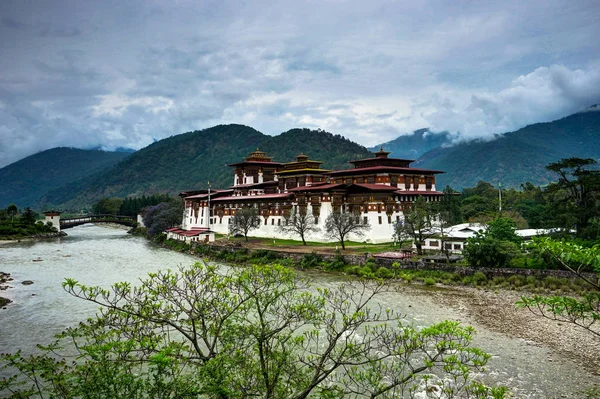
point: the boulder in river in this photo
(27, 282)
(4, 301)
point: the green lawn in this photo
(351, 246)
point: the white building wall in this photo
(54, 220)
(378, 233)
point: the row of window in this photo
(447, 245)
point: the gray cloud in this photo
(117, 73)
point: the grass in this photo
(351, 246)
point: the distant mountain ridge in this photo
(189, 161)
(25, 181)
(75, 179)
(517, 157)
(412, 146)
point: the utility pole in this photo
(500, 198)
(209, 213)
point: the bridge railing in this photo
(98, 217)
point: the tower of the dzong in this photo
(302, 172)
(256, 168)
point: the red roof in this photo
(269, 163)
(392, 255)
(253, 197)
(205, 195)
(188, 233)
(320, 187)
(375, 187)
(378, 158)
(382, 169)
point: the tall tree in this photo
(256, 332)
(418, 223)
(29, 216)
(12, 211)
(339, 225)
(300, 223)
(244, 220)
(495, 247)
(448, 213)
(108, 206)
(579, 184)
(158, 218)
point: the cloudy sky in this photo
(124, 73)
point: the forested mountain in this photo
(412, 146)
(189, 161)
(75, 179)
(25, 181)
(517, 157)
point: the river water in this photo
(96, 255)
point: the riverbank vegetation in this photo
(537, 284)
(16, 225)
(248, 332)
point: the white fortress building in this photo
(376, 190)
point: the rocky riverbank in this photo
(496, 311)
(11, 240)
(5, 278)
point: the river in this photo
(96, 255)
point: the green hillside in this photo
(188, 161)
(25, 181)
(517, 157)
(412, 146)
(334, 150)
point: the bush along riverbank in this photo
(408, 271)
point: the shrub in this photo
(552, 283)
(265, 256)
(338, 263)
(311, 260)
(479, 278)
(372, 264)
(365, 272)
(429, 281)
(517, 281)
(384, 272)
(499, 281)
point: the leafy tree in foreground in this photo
(418, 224)
(244, 220)
(339, 225)
(583, 312)
(244, 333)
(301, 223)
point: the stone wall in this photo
(489, 272)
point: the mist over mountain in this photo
(517, 157)
(412, 146)
(73, 179)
